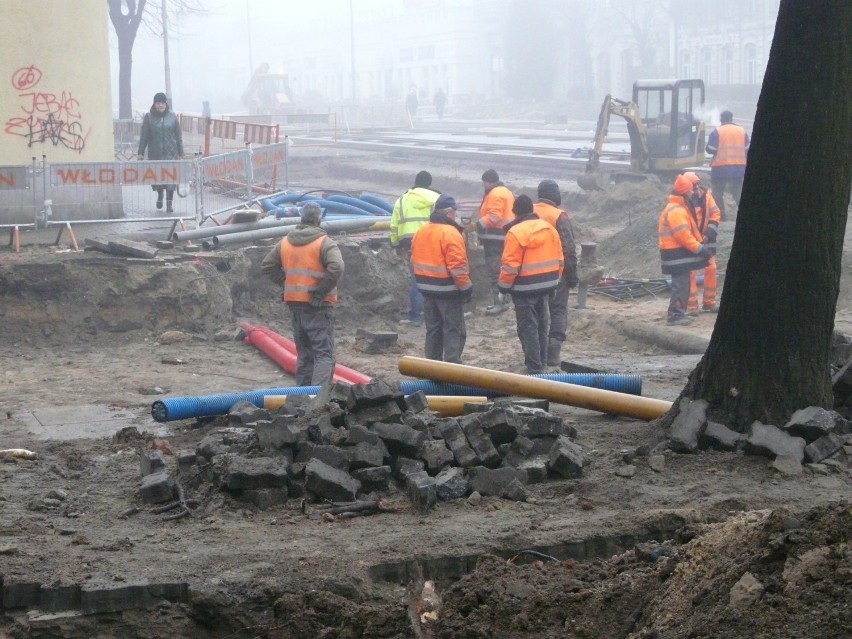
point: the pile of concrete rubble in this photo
(357, 442)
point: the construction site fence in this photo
(44, 193)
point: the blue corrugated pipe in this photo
(359, 203)
(375, 199)
(173, 408)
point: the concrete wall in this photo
(55, 96)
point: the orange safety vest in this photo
(707, 214)
(679, 238)
(732, 146)
(303, 271)
(494, 213)
(532, 258)
(439, 260)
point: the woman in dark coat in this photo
(161, 136)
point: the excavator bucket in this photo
(591, 181)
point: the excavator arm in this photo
(591, 179)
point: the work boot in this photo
(496, 308)
(679, 321)
(554, 349)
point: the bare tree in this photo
(126, 16)
(769, 353)
(157, 16)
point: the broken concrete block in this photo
(494, 481)
(330, 483)
(150, 461)
(374, 342)
(421, 490)
(282, 431)
(252, 473)
(457, 442)
(129, 248)
(158, 487)
(436, 455)
(399, 438)
(787, 465)
(824, 447)
(479, 441)
(373, 478)
(566, 458)
(375, 393)
(687, 426)
(451, 483)
(771, 441)
(811, 423)
(719, 437)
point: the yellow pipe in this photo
(597, 399)
(446, 405)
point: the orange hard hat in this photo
(682, 185)
(692, 177)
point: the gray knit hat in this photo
(549, 190)
(311, 213)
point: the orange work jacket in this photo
(494, 213)
(679, 238)
(303, 271)
(439, 260)
(732, 146)
(532, 260)
(708, 216)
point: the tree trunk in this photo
(126, 26)
(125, 68)
(769, 353)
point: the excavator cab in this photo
(665, 130)
(674, 133)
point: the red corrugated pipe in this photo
(283, 352)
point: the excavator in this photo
(666, 135)
(267, 93)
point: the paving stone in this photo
(252, 473)
(422, 423)
(186, 460)
(330, 483)
(281, 431)
(536, 469)
(341, 394)
(457, 442)
(373, 478)
(824, 447)
(295, 406)
(787, 465)
(543, 445)
(319, 427)
(364, 455)
(375, 342)
(415, 402)
(518, 451)
(539, 423)
(377, 392)
(566, 458)
(404, 466)
(399, 438)
(657, 463)
(500, 423)
(811, 423)
(515, 491)
(150, 461)
(265, 498)
(719, 437)
(210, 446)
(388, 412)
(244, 412)
(421, 491)
(158, 487)
(436, 455)
(494, 481)
(479, 441)
(451, 483)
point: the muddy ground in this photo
(673, 551)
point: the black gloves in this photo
(316, 301)
(570, 276)
(704, 252)
(466, 295)
(710, 234)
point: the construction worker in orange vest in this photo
(442, 273)
(531, 268)
(547, 208)
(728, 144)
(494, 213)
(309, 264)
(707, 217)
(681, 250)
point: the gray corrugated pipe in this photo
(336, 226)
(226, 229)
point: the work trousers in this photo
(679, 295)
(493, 260)
(558, 304)
(710, 282)
(445, 329)
(313, 333)
(415, 297)
(720, 185)
(531, 315)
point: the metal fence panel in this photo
(225, 182)
(18, 201)
(269, 168)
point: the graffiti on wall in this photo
(48, 118)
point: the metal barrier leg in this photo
(72, 236)
(172, 230)
(17, 233)
(59, 235)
